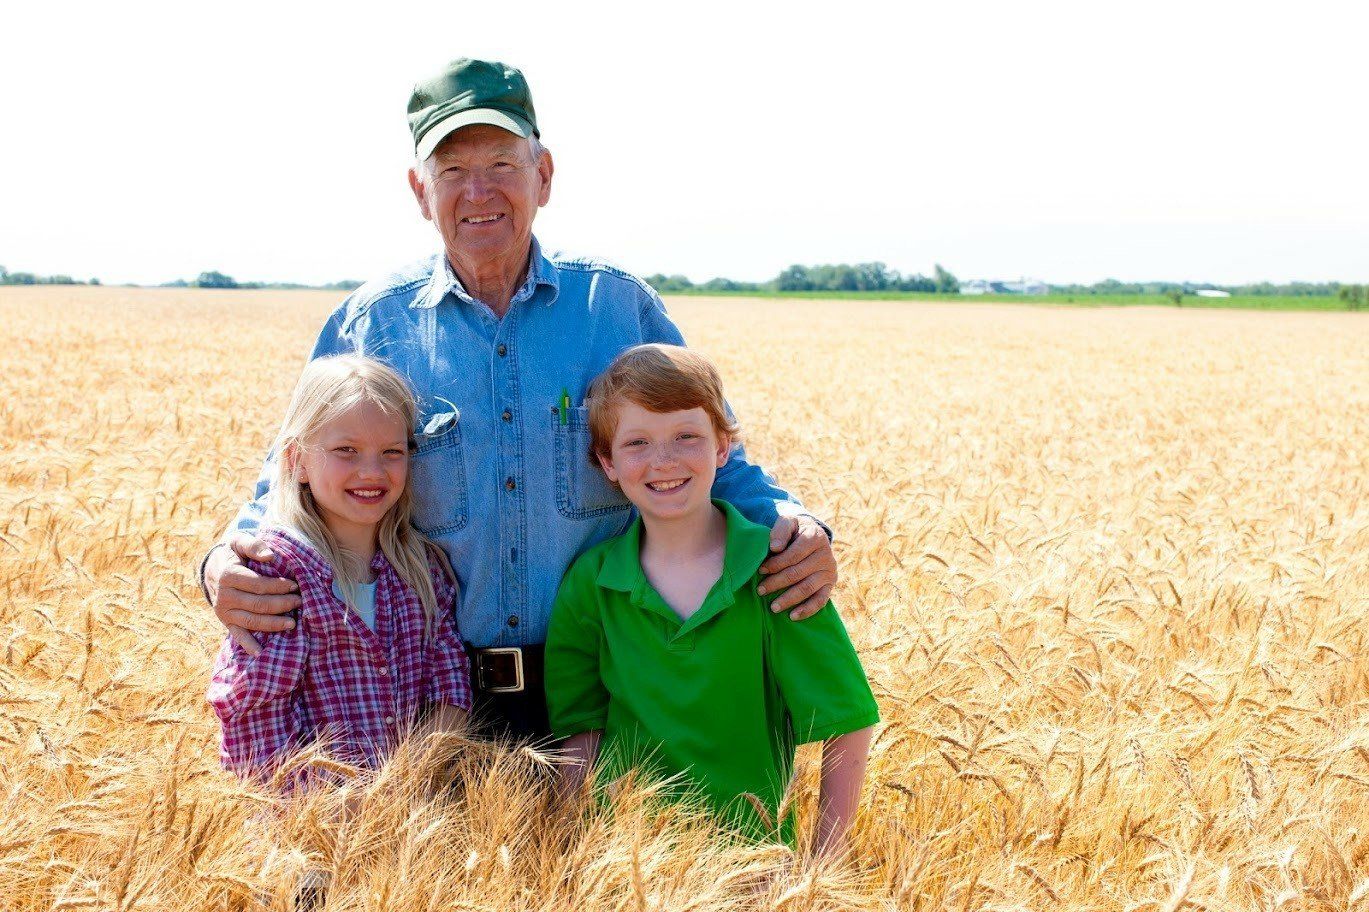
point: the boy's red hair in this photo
(659, 378)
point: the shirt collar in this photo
(541, 271)
(745, 550)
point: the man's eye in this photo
(503, 166)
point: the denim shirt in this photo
(499, 480)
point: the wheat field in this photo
(1108, 570)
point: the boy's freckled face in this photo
(665, 462)
(356, 468)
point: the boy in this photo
(660, 653)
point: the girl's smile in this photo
(356, 468)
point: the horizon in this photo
(1065, 142)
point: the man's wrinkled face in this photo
(482, 187)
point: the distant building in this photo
(1022, 286)
(1212, 293)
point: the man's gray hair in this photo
(534, 146)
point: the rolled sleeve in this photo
(258, 703)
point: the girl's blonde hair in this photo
(328, 388)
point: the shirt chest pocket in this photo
(437, 476)
(583, 491)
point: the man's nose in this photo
(478, 187)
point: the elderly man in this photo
(499, 342)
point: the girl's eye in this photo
(344, 449)
(633, 443)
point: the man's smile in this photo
(482, 219)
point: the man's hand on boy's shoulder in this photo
(244, 600)
(805, 566)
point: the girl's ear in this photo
(606, 464)
(293, 464)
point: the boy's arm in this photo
(577, 700)
(843, 774)
(577, 757)
(804, 564)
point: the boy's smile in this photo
(665, 461)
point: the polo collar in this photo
(541, 271)
(746, 548)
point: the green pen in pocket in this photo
(565, 405)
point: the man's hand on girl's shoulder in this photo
(244, 600)
(805, 567)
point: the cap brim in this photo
(444, 128)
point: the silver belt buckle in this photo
(517, 685)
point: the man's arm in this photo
(242, 600)
(803, 565)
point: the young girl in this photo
(374, 643)
(661, 654)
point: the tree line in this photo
(29, 278)
(828, 277)
(216, 279)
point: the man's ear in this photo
(606, 464)
(545, 168)
(416, 185)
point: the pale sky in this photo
(1068, 141)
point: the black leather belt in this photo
(506, 669)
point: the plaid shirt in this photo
(332, 677)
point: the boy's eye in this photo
(395, 451)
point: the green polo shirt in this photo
(722, 698)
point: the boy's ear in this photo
(606, 464)
(724, 449)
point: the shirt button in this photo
(384, 672)
(502, 349)
(507, 416)
(389, 720)
(510, 484)
(513, 620)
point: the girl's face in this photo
(665, 461)
(356, 468)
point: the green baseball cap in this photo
(470, 92)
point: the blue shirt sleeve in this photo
(334, 339)
(745, 485)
